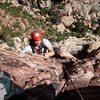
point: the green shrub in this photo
(55, 17)
(97, 31)
(53, 35)
(98, 21)
(44, 11)
(54, 14)
(79, 28)
(74, 34)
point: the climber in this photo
(40, 45)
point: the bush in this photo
(79, 28)
(99, 21)
(97, 31)
(55, 17)
(53, 35)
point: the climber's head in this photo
(37, 37)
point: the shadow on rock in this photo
(88, 93)
(41, 92)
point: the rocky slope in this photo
(28, 72)
(39, 77)
(19, 17)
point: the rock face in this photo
(30, 71)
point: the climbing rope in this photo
(73, 84)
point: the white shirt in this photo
(44, 44)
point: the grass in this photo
(34, 23)
(12, 10)
(8, 34)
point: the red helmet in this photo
(37, 35)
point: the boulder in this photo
(29, 71)
(47, 78)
